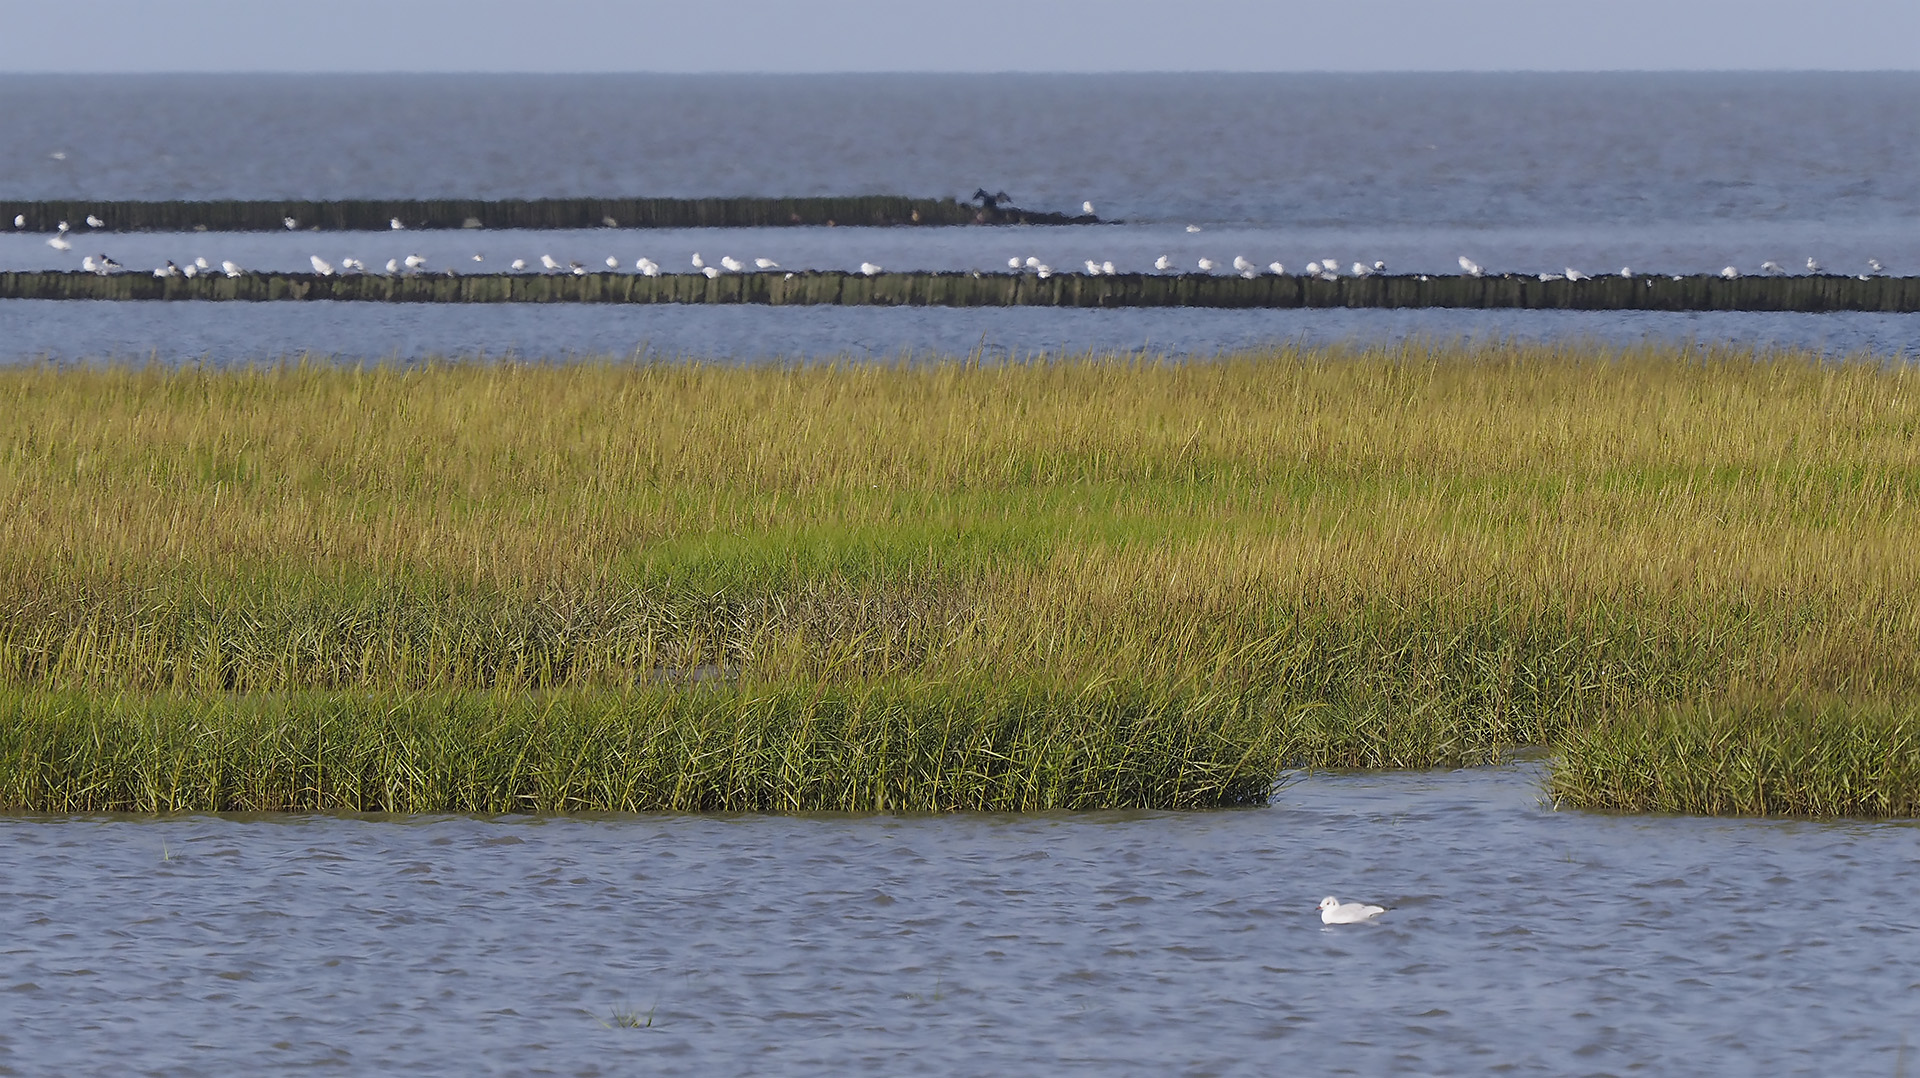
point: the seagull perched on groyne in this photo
(869, 268)
(1163, 263)
(321, 266)
(1469, 267)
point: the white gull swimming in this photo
(1335, 912)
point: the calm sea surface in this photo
(1674, 173)
(1520, 941)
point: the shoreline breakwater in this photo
(1701, 292)
(378, 214)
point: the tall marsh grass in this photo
(1402, 557)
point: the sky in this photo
(957, 35)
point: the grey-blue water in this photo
(1521, 940)
(1674, 173)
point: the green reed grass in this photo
(879, 748)
(1403, 557)
(1845, 758)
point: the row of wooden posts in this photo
(1647, 293)
(367, 215)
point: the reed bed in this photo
(1846, 758)
(1385, 558)
(878, 748)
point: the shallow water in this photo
(1521, 940)
(240, 333)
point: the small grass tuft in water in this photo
(627, 1017)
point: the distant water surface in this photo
(1529, 173)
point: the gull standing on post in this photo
(869, 268)
(766, 264)
(321, 266)
(1163, 263)
(1469, 267)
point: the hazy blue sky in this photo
(957, 35)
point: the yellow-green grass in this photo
(1423, 555)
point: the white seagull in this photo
(168, 270)
(1086, 208)
(698, 262)
(60, 242)
(731, 264)
(1206, 265)
(393, 266)
(1277, 269)
(478, 257)
(202, 263)
(1771, 268)
(1193, 228)
(189, 271)
(1335, 912)
(95, 222)
(1240, 263)
(710, 271)
(1163, 263)
(1813, 266)
(1107, 268)
(1730, 272)
(1576, 275)
(613, 263)
(290, 223)
(1033, 262)
(517, 264)
(1093, 268)
(1626, 271)
(1361, 269)
(1043, 271)
(321, 266)
(1469, 267)
(1313, 269)
(1379, 266)
(231, 268)
(547, 262)
(1014, 263)
(394, 224)
(414, 262)
(19, 220)
(765, 263)
(648, 267)
(869, 268)
(1874, 266)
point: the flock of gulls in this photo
(1328, 269)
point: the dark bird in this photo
(990, 201)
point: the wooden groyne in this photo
(1651, 293)
(377, 215)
